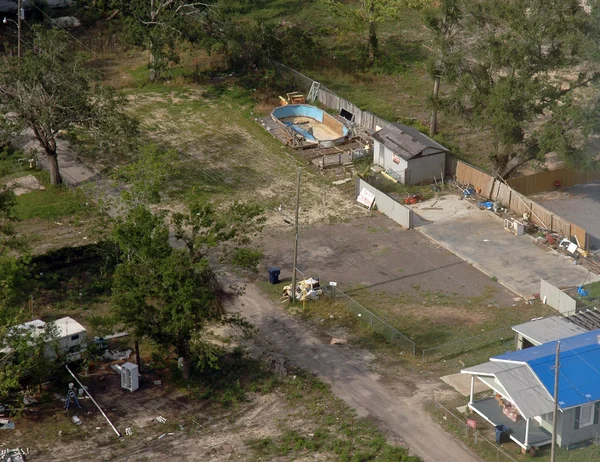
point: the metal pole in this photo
(19, 31)
(556, 369)
(296, 238)
(94, 401)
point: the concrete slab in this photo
(479, 238)
(443, 208)
(462, 383)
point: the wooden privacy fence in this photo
(329, 99)
(544, 181)
(496, 190)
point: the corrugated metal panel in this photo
(548, 329)
(489, 368)
(526, 391)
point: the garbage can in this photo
(501, 434)
(274, 275)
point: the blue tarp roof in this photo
(579, 372)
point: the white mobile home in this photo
(70, 340)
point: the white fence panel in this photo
(386, 205)
(556, 298)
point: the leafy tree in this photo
(52, 92)
(368, 13)
(442, 20)
(167, 294)
(145, 176)
(157, 26)
(23, 358)
(523, 70)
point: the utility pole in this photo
(556, 369)
(19, 31)
(293, 299)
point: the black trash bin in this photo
(502, 434)
(274, 275)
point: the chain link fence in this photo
(469, 343)
(472, 436)
(375, 322)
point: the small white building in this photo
(408, 155)
(70, 341)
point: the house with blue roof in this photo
(523, 382)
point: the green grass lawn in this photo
(54, 203)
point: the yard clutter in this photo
(6, 424)
(413, 199)
(308, 289)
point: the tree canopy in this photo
(52, 92)
(158, 25)
(521, 68)
(169, 294)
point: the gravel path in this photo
(396, 405)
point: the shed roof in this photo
(407, 142)
(548, 329)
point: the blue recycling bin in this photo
(274, 273)
(501, 434)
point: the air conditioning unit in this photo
(513, 226)
(130, 376)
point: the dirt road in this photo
(400, 409)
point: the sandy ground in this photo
(579, 204)
(24, 185)
(397, 404)
(208, 437)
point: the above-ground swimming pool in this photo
(312, 124)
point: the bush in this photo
(247, 258)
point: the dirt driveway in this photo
(478, 236)
(375, 253)
(396, 405)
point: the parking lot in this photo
(375, 253)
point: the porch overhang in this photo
(526, 432)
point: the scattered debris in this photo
(6, 424)
(340, 182)
(413, 199)
(308, 289)
(115, 355)
(76, 420)
(227, 448)
(13, 455)
(338, 341)
(128, 431)
(161, 419)
(162, 436)
(158, 382)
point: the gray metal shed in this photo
(544, 330)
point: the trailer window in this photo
(74, 337)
